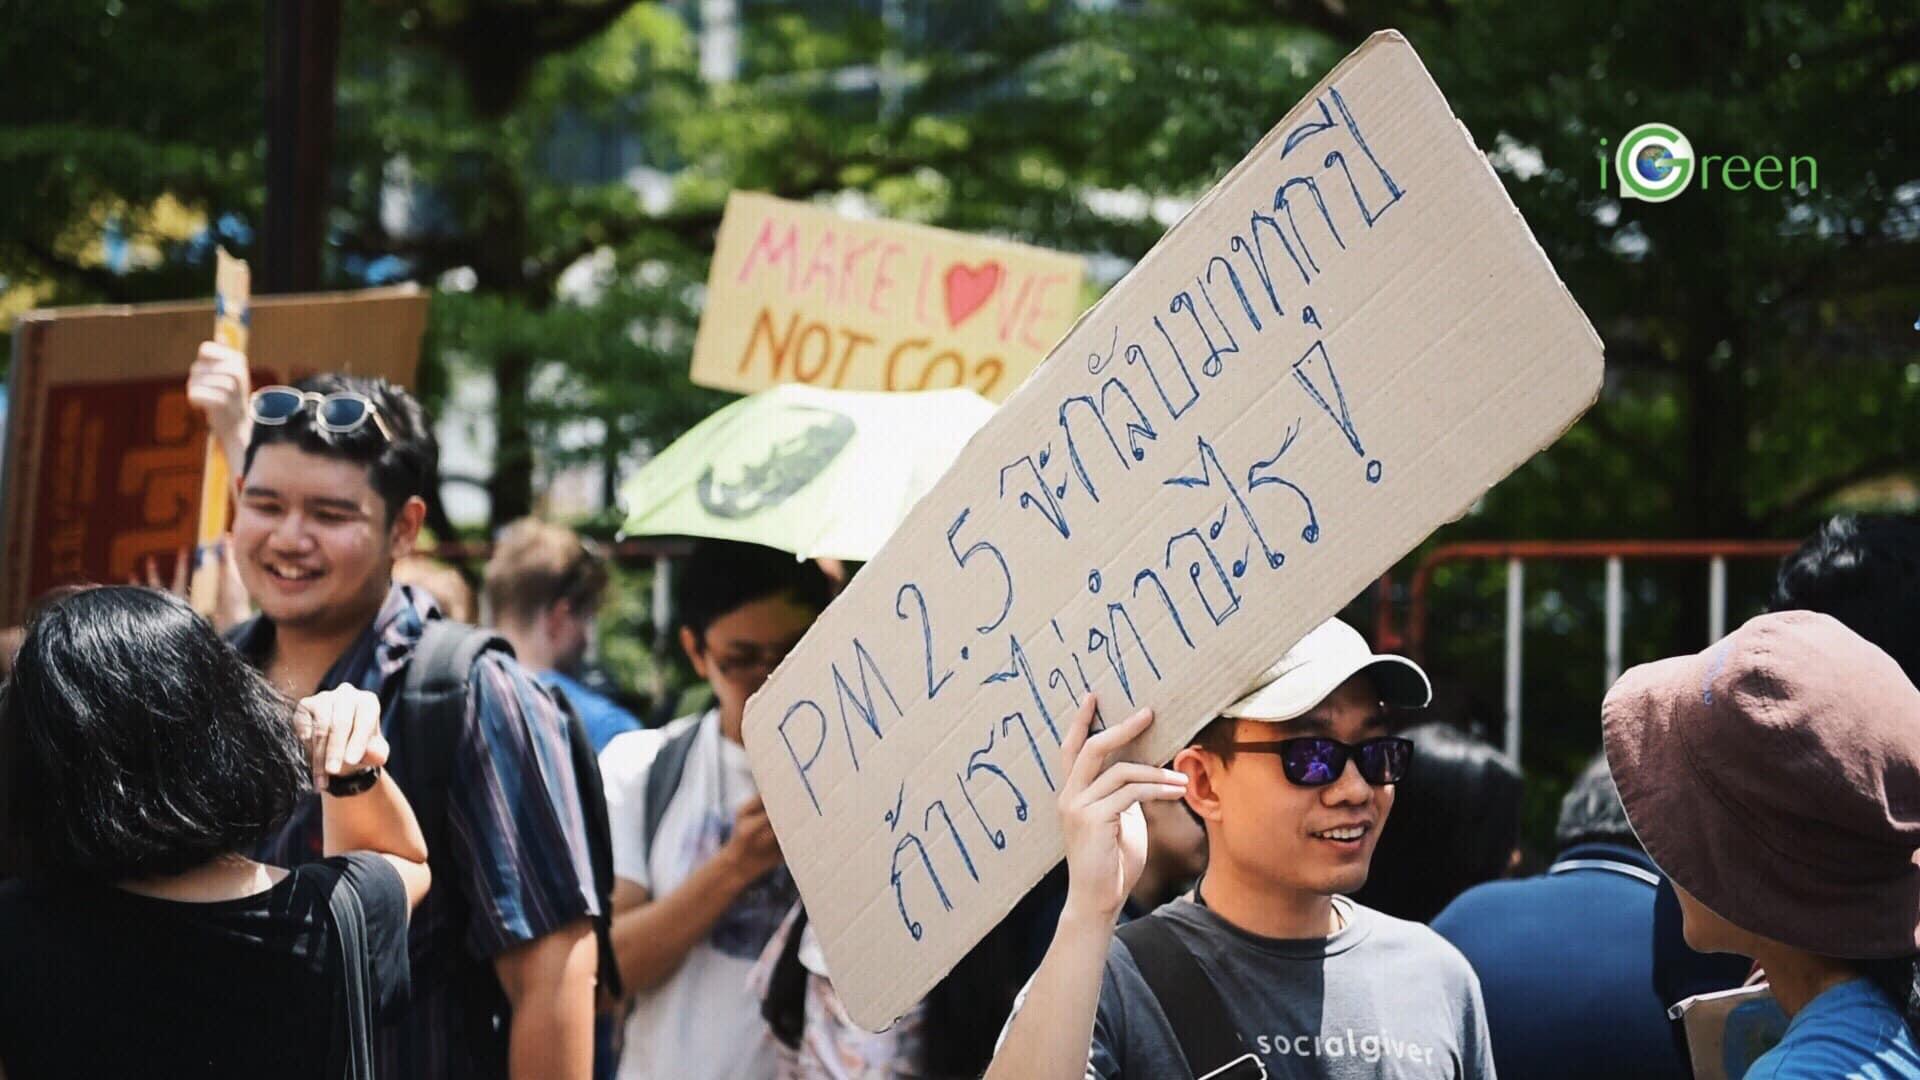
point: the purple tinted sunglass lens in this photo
(1384, 761)
(1313, 762)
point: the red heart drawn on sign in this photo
(968, 288)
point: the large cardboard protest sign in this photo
(104, 455)
(1343, 345)
(800, 294)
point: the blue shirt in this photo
(602, 716)
(515, 825)
(1566, 967)
(1851, 1032)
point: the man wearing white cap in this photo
(1266, 968)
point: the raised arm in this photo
(341, 729)
(1106, 838)
(218, 384)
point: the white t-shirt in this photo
(705, 1021)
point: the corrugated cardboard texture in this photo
(104, 454)
(1343, 345)
(800, 294)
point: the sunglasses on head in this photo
(338, 413)
(1316, 761)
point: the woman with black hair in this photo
(140, 760)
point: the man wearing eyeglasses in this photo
(699, 883)
(1266, 968)
(332, 481)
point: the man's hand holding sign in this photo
(1343, 345)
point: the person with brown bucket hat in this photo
(1775, 777)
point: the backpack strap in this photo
(593, 808)
(663, 779)
(1190, 1001)
(350, 926)
(433, 707)
(785, 1006)
(424, 728)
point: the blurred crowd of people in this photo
(347, 832)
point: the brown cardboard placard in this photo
(1728, 1030)
(1342, 346)
(801, 294)
(103, 453)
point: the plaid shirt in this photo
(519, 857)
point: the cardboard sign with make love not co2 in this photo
(1342, 346)
(800, 294)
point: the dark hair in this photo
(134, 742)
(1899, 979)
(399, 469)
(1592, 811)
(1217, 737)
(537, 564)
(1455, 821)
(725, 575)
(1865, 572)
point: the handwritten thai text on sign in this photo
(799, 294)
(1343, 345)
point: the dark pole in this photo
(303, 51)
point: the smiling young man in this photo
(331, 494)
(1266, 968)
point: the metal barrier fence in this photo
(1410, 636)
(1516, 554)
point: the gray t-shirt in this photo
(1381, 998)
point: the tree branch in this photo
(1797, 503)
(1330, 17)
(106, 283)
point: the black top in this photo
(97, 982)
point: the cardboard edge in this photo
(26, 335)
(402, 291)
(940, 232)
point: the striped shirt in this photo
(519, 853)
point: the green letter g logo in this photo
(1654, 163)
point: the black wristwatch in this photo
(353, 783)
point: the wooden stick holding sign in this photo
(232, 293)
(1342, 346)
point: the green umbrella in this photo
(820, 473)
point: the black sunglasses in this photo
(1315, 761)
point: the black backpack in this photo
(423, 727)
